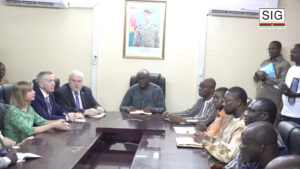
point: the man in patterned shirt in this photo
(225, 145)
(203, 111)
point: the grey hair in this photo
(40, 76)
(76, 73)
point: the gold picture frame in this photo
(144, 30)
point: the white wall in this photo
(36, 39)
(237, 46)
(181, 55)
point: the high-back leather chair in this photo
(155, 78)
(57, 83)
(7, 90)
(3, 108)
(290, 133)
(2, 94)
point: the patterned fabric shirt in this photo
(266, 89)
(219, 124)
(201, 112)
(19, 125)
(141, 98)
(225, 146)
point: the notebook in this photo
(187, 142)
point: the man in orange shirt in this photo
(220, 121)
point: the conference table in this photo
(116, 141)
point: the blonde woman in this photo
(21, 121)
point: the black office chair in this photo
(3, 108)
(290, 133)
(7, 90)
(57, 83)
(155, 78)
(2, 94)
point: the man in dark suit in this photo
(76, 97)
(44, 103)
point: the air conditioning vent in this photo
(241, 8)
(234, 13)
(38, 3)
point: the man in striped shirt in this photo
(203, 111)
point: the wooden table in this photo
(118, 141)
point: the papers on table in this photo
(187, 142)
(140, 112)
(98, 116)
(24, 156)
(184, 130)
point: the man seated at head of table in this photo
(44, 103)
(225, 145)
(144, 95)
(220, 121)
(285, 162)
(261, 109)
(75, 97)
(21, 121)
(203, 111)
(259, 145)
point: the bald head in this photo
(143, 72)
(210, 82)
(285, 162)
(261, 132)
(259, 143)
(261, 109)
(207, 88)
(143, 78)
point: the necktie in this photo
(49, 107)
(293, 88)
(77, 100)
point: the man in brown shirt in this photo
(265, 83)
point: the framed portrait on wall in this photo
(144, 32)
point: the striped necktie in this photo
(49, 107)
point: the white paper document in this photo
(187, 142)
(23, 156)
(140, 112)
(184, 130)
(80, 120)
(98, 116)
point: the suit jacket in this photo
(64, 97)
(40, 106)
